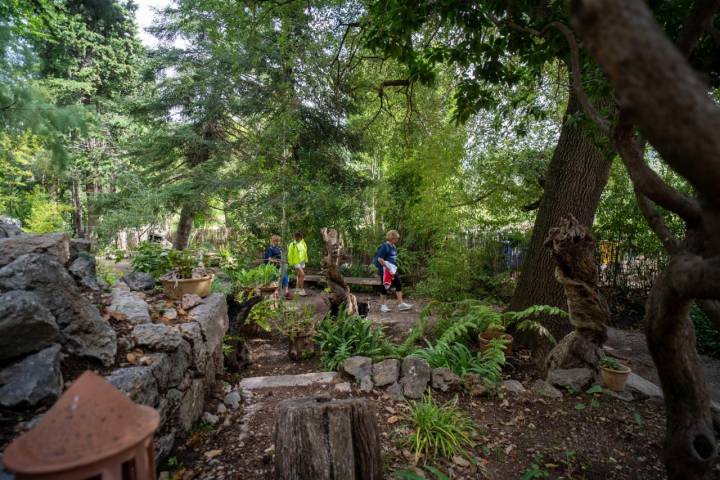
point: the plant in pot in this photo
(186, 275)
(262, 278)
(298, 323)
(614, 374)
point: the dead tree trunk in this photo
(340, 290)
(322, 439)
(573, 248)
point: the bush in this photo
(346, 336)
(438, 430)
(151, 258)
(458, 358)
(456, 272)
(708, 337)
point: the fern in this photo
(477, 319)
(416, 332)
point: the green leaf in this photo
(580, 406)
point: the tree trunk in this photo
(340, 290)
(182, 235)
(573, 247)
(77, 210)
(576, 177)
(322, 439)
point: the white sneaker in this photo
(384, 308)
(404, 306)
(302, 292)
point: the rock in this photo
(9, 227)
(190, 300)
(139, 281)
(83, 331)
(79, 246)
(444, 379)
(161, 368)
(170, 314)
(358, 367)
(415, 376)
(55, 245)
(544, 389)
(180, 359)
(287, 381)
(513, 386)
(192, 404)
(210, 418)
(460, 461)
(84, 270)
(33, 380)
(130, 305)
(624, 395)
(395, 391)
(573, 379)
(156, 336)
(193, 333)
(366, 385)
(221, 409)
(25, 324)
(645, 387)
(212, 317)
(474, 385)
(138, 383)
(386, 372)
(343, 387)
(232, 400)
(163, 447)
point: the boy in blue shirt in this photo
(387, 254)
(274, 255)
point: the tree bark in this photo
(340, 290)
(573, 247)
(322, 439)
(182, 235)
(77, 210)
(576, 177)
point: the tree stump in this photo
(573, 247)
(323, 439)
(340, 290)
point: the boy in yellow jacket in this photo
(297, 256)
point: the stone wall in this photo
(180, 363)
(54, 310)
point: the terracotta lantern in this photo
(92, 431)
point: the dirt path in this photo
(633, 346)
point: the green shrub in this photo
(346, 336)
(708, 337)
(438, 430)
(458, 358)
(255, 277)
(151, 258)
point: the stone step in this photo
(287, 381)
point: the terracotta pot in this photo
(615, 379)
(485, 337)
(177, 288)
(301, 347)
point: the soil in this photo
(580, 436)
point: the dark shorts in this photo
(396, 283)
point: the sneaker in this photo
(384, 309)
(404, 306)
(302, 292)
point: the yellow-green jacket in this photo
(297, 253)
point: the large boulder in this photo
(139, 281)
(129, 304)
(156, 336)
(33, 380)
(83, 331)
(56, 245)
(25, 324)
(192, 405)
(9, 227)
(416, 375)
(79, 246)
(84, 270)
(358, 367)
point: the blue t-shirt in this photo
(387, 252)
(272, 252)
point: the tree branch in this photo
(656, 223)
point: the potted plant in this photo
(262, 279)
(186, 276)
(614, 374)
(298, 323)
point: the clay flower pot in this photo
(615, 379)
(177, 288)
(490, 334)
